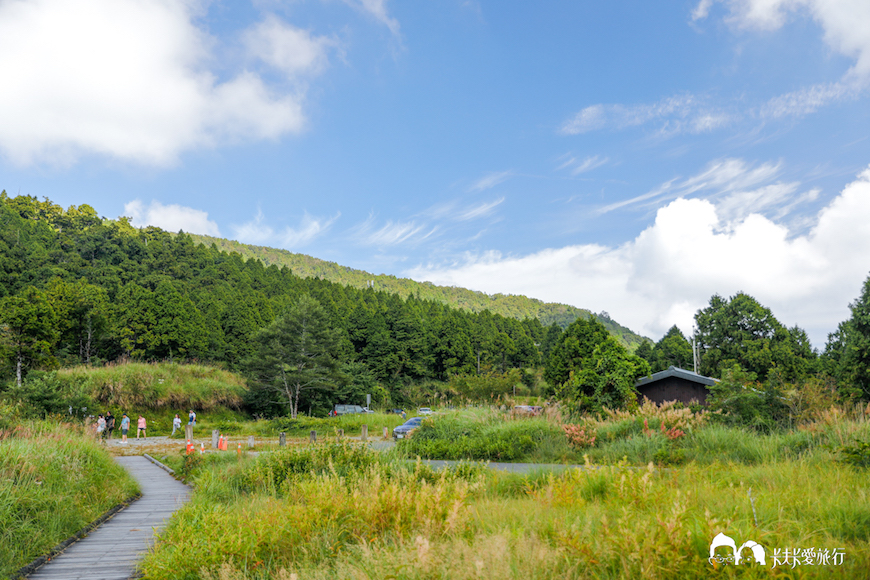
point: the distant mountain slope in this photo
(511, 305)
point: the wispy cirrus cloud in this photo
(735, 187)
(578, 166)
(490, 180)
(391, 233)
(257, 231)
(309, 229)
(479, 210)
(678, 114)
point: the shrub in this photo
(579, 437)
(857, 454)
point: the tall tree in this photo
(29, 324)
(672, 350)
(742, 331)
(847, 352)
(573, 349)
(297, 352)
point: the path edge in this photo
(165, 468)
(28, 569)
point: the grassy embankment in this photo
(336, 511)
(160, 390)
(54, 481)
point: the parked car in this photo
(350, 409)
(396, 411)
(532, 410)
(425, 411)
(405, 429)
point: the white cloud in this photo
(490, 180)
(130, 79)
(391, 233)
(689, 253)
(378, 10)
(257, 231)
(735, 187)
(479, 211)
(845, 22)
(808, 100)
(845, 25)
(288, 49)
(309, 229)
(171, 218)
(677, 114)
(254, 231)
(588, 164)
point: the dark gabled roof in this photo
(676, 372)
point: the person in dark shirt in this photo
(110, 424)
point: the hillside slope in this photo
(510, 305)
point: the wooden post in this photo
(339, 434)
(188, 432)
(282, 439)
(386, 433)
(313, 438)
(215, 434)
(250, 441)
(364, 433)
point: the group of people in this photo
(106, 425)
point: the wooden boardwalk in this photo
(112, 551)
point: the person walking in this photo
(176, 425)
(191, 418)
(110, 425)
(125, 426)
(101, 426)
(142, 426)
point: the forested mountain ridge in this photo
(511, 305)
(77, 288)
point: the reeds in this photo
(54, 480)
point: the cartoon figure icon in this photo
(721, 540)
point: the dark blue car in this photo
(405, 429)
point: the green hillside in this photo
(509, 305)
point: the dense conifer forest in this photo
(80, 289)
(510, 305)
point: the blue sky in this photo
(627, 157)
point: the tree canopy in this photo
(741, 331)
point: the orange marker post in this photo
(189, 447)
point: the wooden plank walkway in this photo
(112, 551)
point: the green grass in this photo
(54, 481)
(153, 386)
(335, 511)
(489, 435)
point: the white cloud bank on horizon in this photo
(171, 218)
(131, 80)
(672, 268)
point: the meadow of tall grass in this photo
(139, 385)
(336, 511)
(54, 481)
